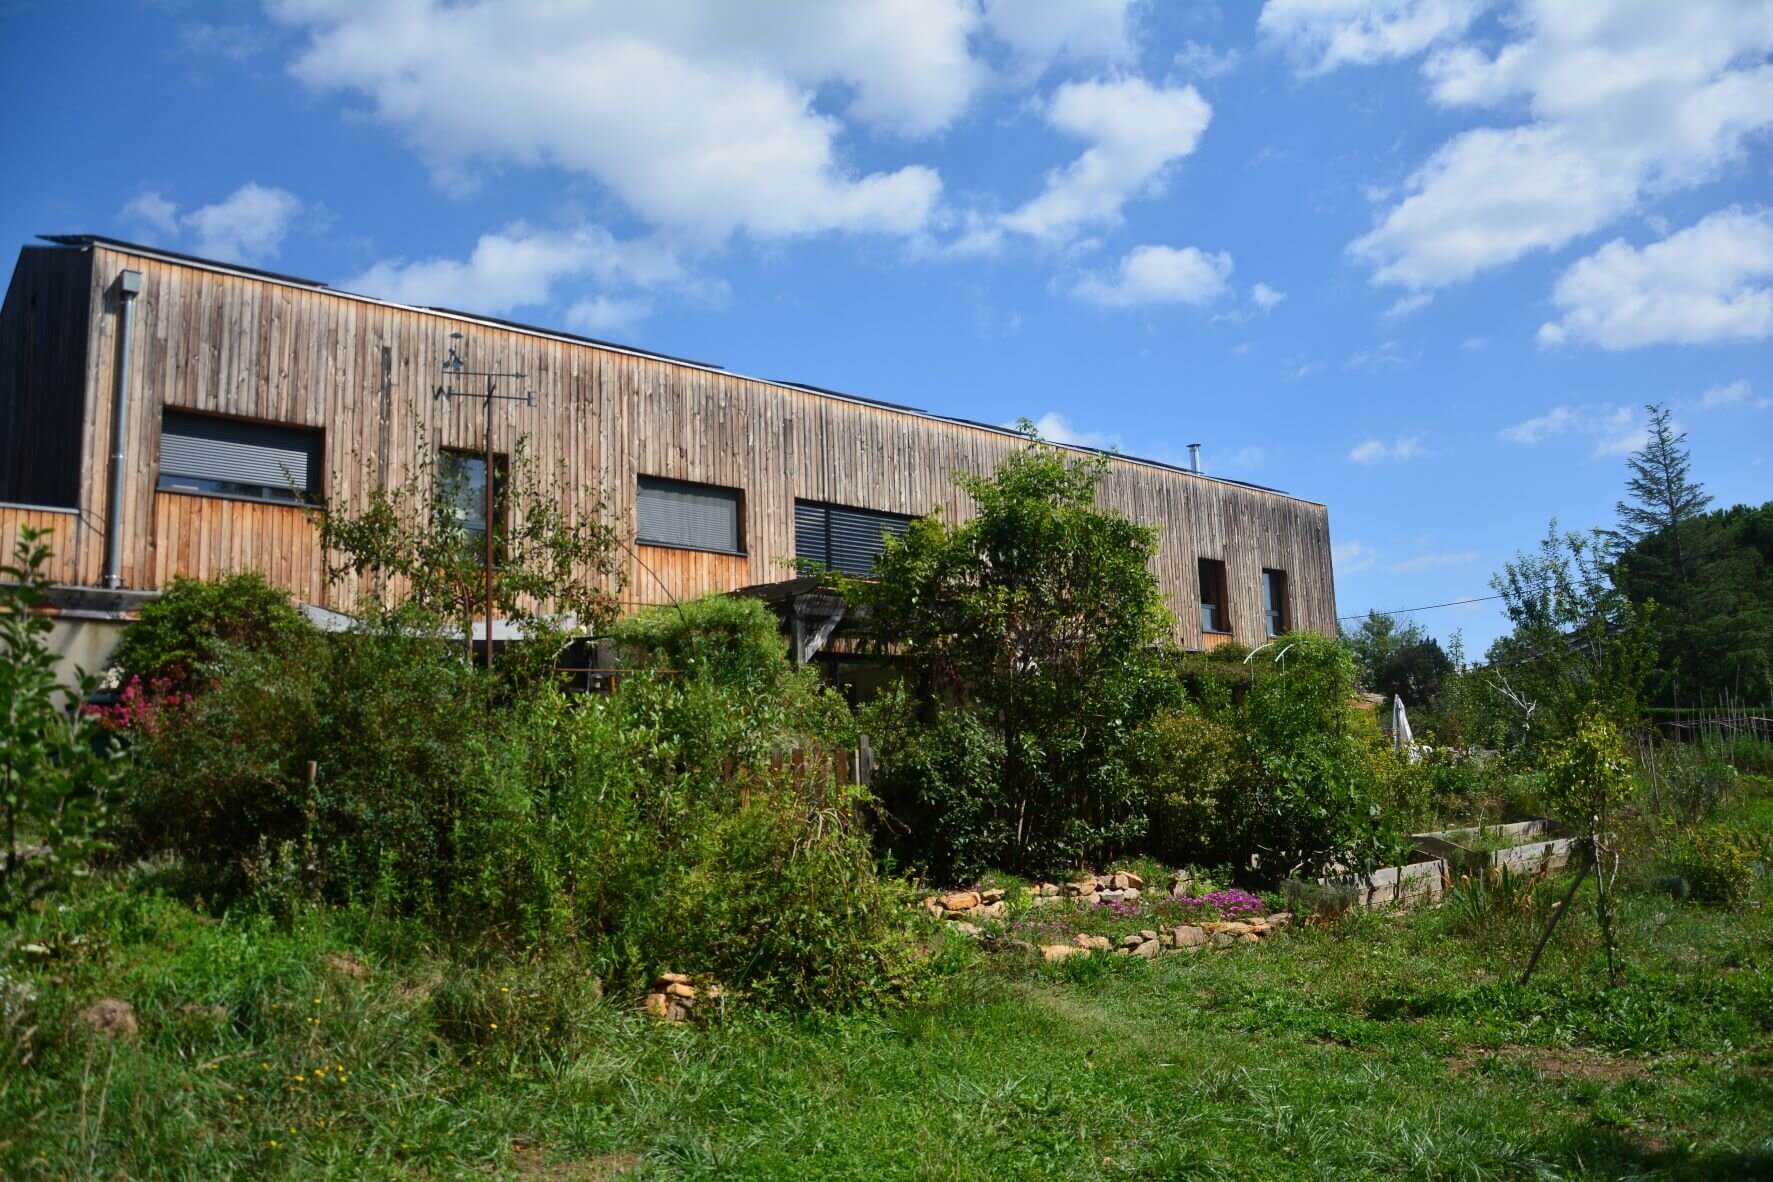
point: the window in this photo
(461, 477)
(688, 516)
(1274, 601)
(233, 458)
(844, 539)
(1213, 614)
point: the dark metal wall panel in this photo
(43, 332)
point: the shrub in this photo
(941, 788)
(1716, 863)
(1696, 780)
(186, 628)
(1194, 770)
(55, 779)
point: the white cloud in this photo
(1039, 32)
(153, 211)
(1408, 305)
(701, 115)
(1733, 394)
(1160, 274)
(237, 43)
(1196, 60)
(1266, 297)
(1709, 283)
(1056, 428)
(1388, 355)
(1613, 430)
(601, 314)
(520, 267)
(1626, 101)
(1474, 344)
(1136, 132)
(1370, 451)
(248, 225)
(1433, 561)
(1351, 558)
(1324, 34)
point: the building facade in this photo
(249, 400)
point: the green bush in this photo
(940, 786)
(1715, 862)
(56, 781)
(1696, 780)
(696, 820)
(1194, 770)
(186, 628)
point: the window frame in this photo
(1210, 574)
(1270, 575)
(739, 504)
(183, 484)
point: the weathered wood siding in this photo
(65, 536)
(363, 372)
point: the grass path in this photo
(1385, 1049)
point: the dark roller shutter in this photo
(694, 516)
(215, 455)
(843, 538)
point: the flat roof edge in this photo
(154, 252)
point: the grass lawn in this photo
(1382, 1048)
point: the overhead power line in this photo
(1398, 611)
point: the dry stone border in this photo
(675, 998)
(961, 908)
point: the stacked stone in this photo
(674, 998)
(963, 907)
(1187, 937)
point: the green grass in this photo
(1382, 1048)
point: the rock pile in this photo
(1188, 937)
(674, 998)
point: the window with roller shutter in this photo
(219, 457)
(844, 538)
(687, 516)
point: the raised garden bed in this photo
(1525, 847)
(1413, 884)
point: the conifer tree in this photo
(1664, 498)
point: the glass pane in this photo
(463, 478)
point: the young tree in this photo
(424, 560)
(1394, 660)
(1041, 618)
(1664, 498)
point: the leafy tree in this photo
(1041, 616)
(187, 626)
(1578, 644)
(56, 778)
(1394, 660)
(425, 566)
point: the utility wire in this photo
(1398, 611)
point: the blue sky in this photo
(1420, 260)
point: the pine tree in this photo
(1664, 500)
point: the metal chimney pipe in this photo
(129, 285)
(1194, 457)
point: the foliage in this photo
(1578, 645)
(1664, 499)
(56, 777)
(695, 821)
(1588, 775)
(424, 569)
(736, 642)
(1042, 617)
(1695, 780)
(1195, 769)
(1393, 660)
(1715, 643)
(178, 635)
(1716, 863)
(941, 786)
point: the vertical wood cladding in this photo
(363, 372)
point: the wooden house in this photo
(165, 415)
